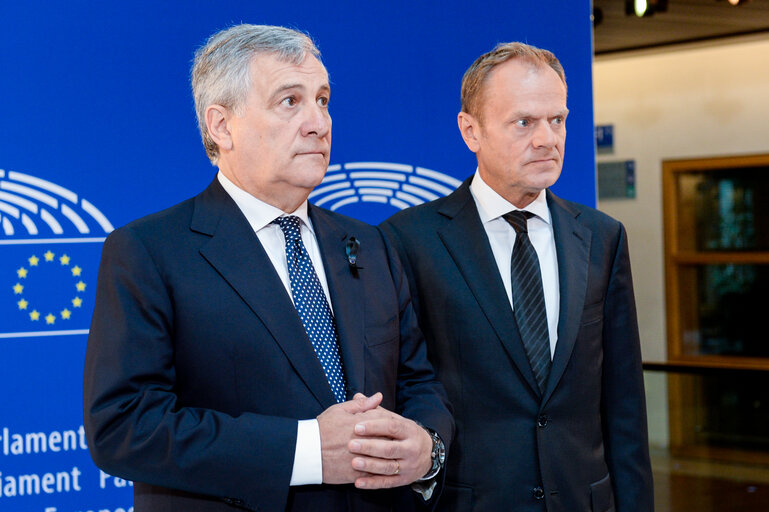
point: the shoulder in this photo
(417, 213)
(585, 215)
(200, 213)
(165, 231)
(341, 220)
(331, 225)
(431, 215)
(164, 221)
(348, 226)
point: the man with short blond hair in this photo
(526, 302)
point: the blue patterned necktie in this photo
(312, 306)
(529, 298)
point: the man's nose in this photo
(544, 135)
(317, 121)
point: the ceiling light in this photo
(643, 8)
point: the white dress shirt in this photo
(308, 468)
(491, 206)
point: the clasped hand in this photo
(364, 443)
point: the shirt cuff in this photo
(308, 461)
(425, 488)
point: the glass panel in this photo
(735, 411)
(723, 210)
(722, 308)
(722, 409)
(713, 453)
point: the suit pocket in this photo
(455, 498)
(382, 333)
(602, 495)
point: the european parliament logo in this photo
(51, 242)
(372, 191)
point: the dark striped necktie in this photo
(529, 298)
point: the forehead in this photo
(518, 81)
(269, 72)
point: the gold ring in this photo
(397, 467)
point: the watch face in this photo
(439, 450)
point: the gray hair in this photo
(220, 71)
(476, 75)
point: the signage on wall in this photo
(604, 138)
(616, 180)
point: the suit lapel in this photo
(346, 292)
(572, 242)
(235, 252)
(466, 241)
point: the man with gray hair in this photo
(249, 350)
(526, 302)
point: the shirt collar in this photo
(258, 213)
(491, 205)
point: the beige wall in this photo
(695, 102)
(706, 100)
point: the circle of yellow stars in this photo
(35, 261)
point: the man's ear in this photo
(469, 127)
(217, 121)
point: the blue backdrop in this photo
(98, 128)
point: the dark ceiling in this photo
(684, 21)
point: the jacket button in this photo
(542, 421)
(539, 493)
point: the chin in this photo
(310, 177)
(549, 178)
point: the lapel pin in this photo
(351, 248)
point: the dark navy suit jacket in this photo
(580, 447)
(198, 367)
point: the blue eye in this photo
(523, 123)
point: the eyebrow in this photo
(287, 87)
(527, 115)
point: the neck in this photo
(522, 199)
(286, 200)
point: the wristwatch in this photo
(438, 455)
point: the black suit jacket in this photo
(198, 367)
(582, 446)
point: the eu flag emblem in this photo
(48, 287)
(50, 245)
